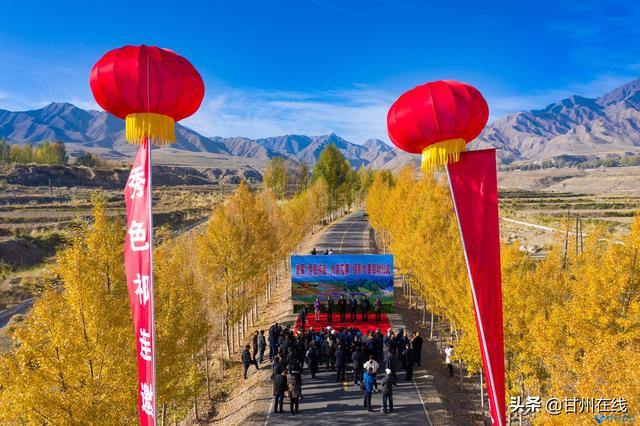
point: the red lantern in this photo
(437, 119)
(149, 87)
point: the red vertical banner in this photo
(474, 187)
(138, 261)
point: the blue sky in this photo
(320, 66)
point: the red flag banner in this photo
(138, 262)
(474, 187)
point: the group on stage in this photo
(340, 305)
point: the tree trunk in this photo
(481, 395)
(431, 332)
(162, 417)
(206, 367)
(225, 335)
(195, 408)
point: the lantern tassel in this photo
(437, 155)
(158, 128)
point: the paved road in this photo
(327, 402)
(350, 235)
(21, 308)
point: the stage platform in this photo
(363, 326)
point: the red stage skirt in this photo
(363, 326)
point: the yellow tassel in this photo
(158, 128)
(437, 155)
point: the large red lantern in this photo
(437, 119)
(149, 87)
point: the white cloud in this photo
(357, 113)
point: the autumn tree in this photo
(73, 360)
(333, 169)
(304, 175)
(571, 320)
(275, 176)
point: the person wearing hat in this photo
(387, 391)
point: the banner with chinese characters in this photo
(138, 264)
(474, 188)
(324, 276)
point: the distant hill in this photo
(573, 129)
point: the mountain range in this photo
(576, 127)
(97, 131)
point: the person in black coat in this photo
(247, 360)
(358, 360)
(303, 316)
(342, 308)
(312, 359)
(273, 341)
(417, 347)
(378, 309)
(280, 386)
(353, 305)
(329, 309)
(340, 364)
(364, 306)
(387, 392)
(407, 360)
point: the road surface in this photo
(328, 402)
(350, 235)
(20, 308)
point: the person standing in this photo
(329, 351)
(357, 358)
(342, 308)
(372, 366)
(247, 360)
(279, 388)
(387, 383)
(364, 306)
(262, 345)
(295, 391)
(254, 344)
(314, 251)
(407, 357)
(449, 359)
(378, 309)
(340, 364)
(416, 342)
(330, 251)
(273, 341)
(312, 359)
(329, 309)
(303, 316)
(316, 309)
(353, 304)
(367, 385)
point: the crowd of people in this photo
(372, 361)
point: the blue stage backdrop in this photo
(346, 274)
